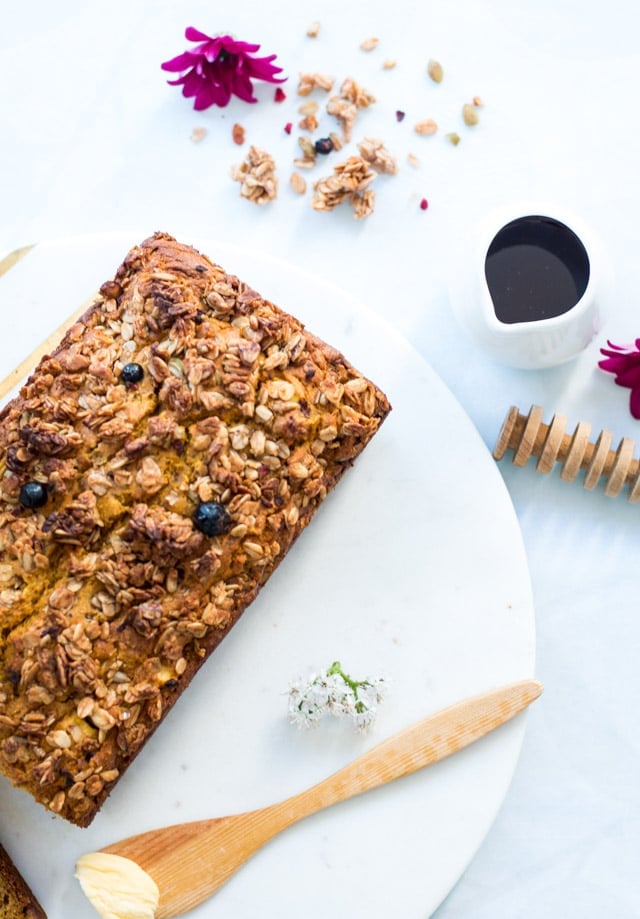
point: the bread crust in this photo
(110, 597)
(16, 898)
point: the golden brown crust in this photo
(16, 899)
(110, 598)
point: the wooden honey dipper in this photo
(527, 436)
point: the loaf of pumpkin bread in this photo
(16, 899)
(154, 470)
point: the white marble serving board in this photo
(413, 568)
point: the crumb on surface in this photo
(369, 44)
(198, 134)
(427, 127)
(298, 183)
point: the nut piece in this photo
(344, 111)
(369, 44)
(310, 81)
(198, 134)
(453, 138)
(238, 133)
(298, 183)
(257, 177)
(377, 155)
(435, 71)
(358, 95)
(426, 127)
(310, 107)
(389, 64)
(308, 148)
(345, 106)
(469, 114)
(308, 123)
(313, 30)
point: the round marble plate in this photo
(413, 568)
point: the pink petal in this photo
(238, 47)
(634, 402)
(243, 88)
(181, 62)
(195, 35)
(630, 377)
(611, 364)
(192, 84)
(211, 94)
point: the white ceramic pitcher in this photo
(535, 343)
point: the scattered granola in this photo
(310, 81)
(345, 111)
(469, 114)
(238, 134)
(345, 106)
(310, 107)
(198, 134)
(298, 183)
(357, 94)
(308, 123)
(313, 30)
(349, 183)
(304, 162)
(435, 71)
(308, 148)
(426, 127)
(257, 177)
(376, 154)
(369, 44)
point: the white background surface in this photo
(93, 140)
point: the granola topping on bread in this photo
(110, 596)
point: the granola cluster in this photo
(349, 183)
(257, 176)
(110, 596)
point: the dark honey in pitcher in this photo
(536, 268)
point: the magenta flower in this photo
(218, 68)
(624, 361)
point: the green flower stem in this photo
(336, 670)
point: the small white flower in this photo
(334, 692)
